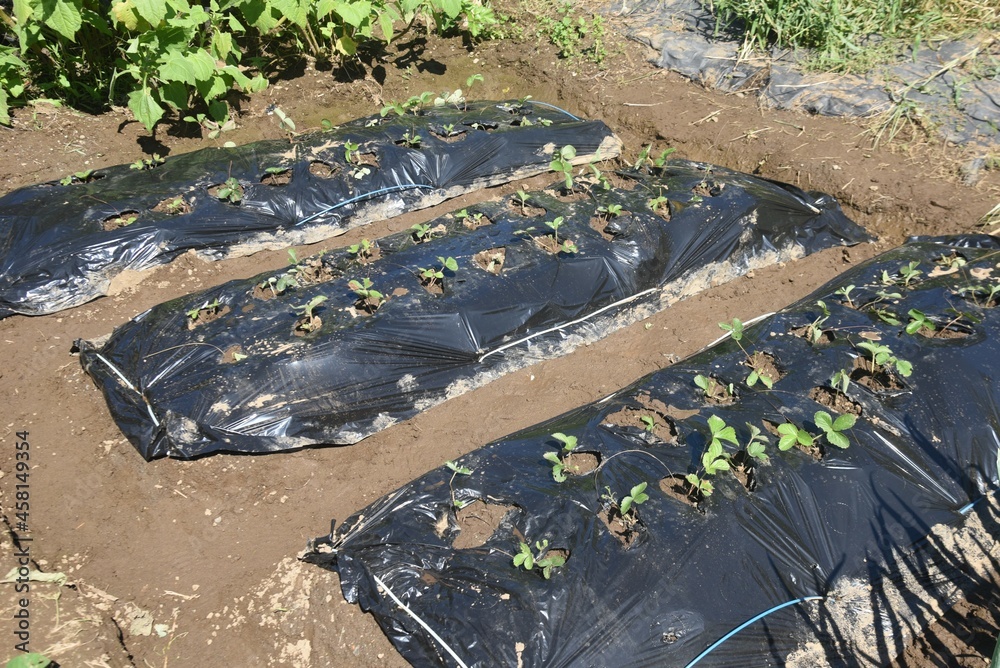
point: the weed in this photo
(918, 321)
(147, 163)
(644, 158)
(563, 163)
(308, 320)
(456, 470)
(369, 299)
(575, 36)
(284, 122)
(541, 560)
(599, 178)
(555, 225)
(214, 127)
(231, 191)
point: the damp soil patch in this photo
(118, 221)
(491, 260)
(478, 522)
(625, 531)
(835, 400)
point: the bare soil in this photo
(192, 562)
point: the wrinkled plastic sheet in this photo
(830, 561)
(963, 104)
(175, 390)
(55, 252)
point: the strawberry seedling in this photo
(369, 300)
(78, 177)
(918, 321)
(880, 356)
(210, 308)
(147, 163)
(362, 251)
(540, 559)
(456, 470)
(833, 429)
(308, 320)
(555, 458)
(231, 191)
(563, 163)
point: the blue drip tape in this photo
(390, 189)
(747, 623)
(552, 106)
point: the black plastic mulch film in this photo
(829, 558)
(262, 376)
(61, 245)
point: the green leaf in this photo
(296, 11)
(153, 11)
(727, 434)
(845, 421)
(29, 660)
(213, 88)
(552, 457)
(904, 368)
(63, 16)
(222, 45)
(823, 421)
(837, 439)
(175, 94)
(324, 8)
(4, 108)
(145, 108)
(354, 13)
(451, 8)
(804, 438)
(385, 23)
(626, 505)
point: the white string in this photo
(420, 621)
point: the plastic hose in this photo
(389, 189)
(552, 106)
(747, 623)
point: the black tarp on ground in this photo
(55, 252)
(174, 387)
(884, 531)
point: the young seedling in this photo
(448, 129)
(284, 122)
(715, 458)
(636, 497)
(421, 232)
(599, 177)
(450, 98)
(456, 470)
(555, 225)
(881, 356)
(369, 300)
(540, 559)
(845, 292)
(662, 159)
(758, 375)
(648, 422)
(350, 151)
(757, 444)
(656, 203)
(990, 291)
(175, 206)
(77, 177)
(815, 328)
(231, 191)
(411, 139)
(918, 321)
(563, 163)
(212, 309)
(833, 429)
(308, 320)
(887, 316)
(840, 381)
(522, 199)
(710, 387)
(147, 163)
(789, 435)
(906, 275)
(953, 261)
(555, 458)
(432, 275)
(362, 251)
(610, 211)
(471, 219)
(360, 172)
